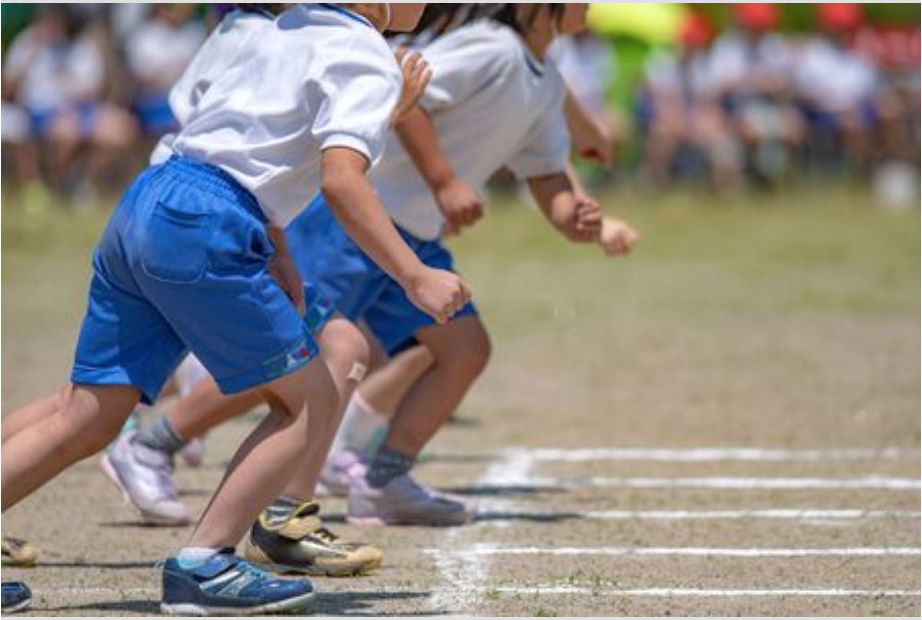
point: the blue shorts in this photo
(354, 284)
(183, 265)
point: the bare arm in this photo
(590, 139)
(460, 203)
(284, 270)
(578, 221)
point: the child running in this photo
(140, 462)
(194, 258)
(358, 288)
(498, 70)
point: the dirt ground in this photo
(748, 385)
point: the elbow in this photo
(337, 191)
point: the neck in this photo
(377, 13)
(538, 40)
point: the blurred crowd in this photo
(85, 91)
(752, 104)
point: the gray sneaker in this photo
(402, 501)
(144, 477)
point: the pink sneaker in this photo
(341, 468)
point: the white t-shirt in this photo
(492, 105)
(158, 53)
(215, 57)
(734, 58)
(837, 79)
(667, 75)
(53, 76)
(317, 77)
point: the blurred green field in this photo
(817, 253)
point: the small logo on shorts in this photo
(280, 365)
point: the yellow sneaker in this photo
(18, 552)
(303, 545)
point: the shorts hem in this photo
(84, 375)
(291, 360)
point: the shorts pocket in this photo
(176, 244)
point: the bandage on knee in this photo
(357, 372)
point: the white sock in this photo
(362, 429)
(191, 557)
(189, 373)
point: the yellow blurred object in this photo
(655, 23)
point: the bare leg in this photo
(344, 349)
(90, 419)
(30, 414)
(387, 385)
(269, 457)
(461, 350)
(205, 407)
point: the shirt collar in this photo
(346, 12)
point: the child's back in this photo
(267, 119)
(493, 105)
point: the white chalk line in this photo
(805, 515)
(714, 482)
(715, 454)
(463, 577)
(703, 592)
(733, 552)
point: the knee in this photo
(469, 358)
(85, 440)
(356, 347)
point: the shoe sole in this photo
(20, 606)
(14, 563)
(258, 557)
(314, 571)
(148, 518)
(382, 521)
(192, 609)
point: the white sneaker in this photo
(340, 469)
(403, 501)
(145, 478)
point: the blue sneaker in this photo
(16, 596)
(227, 585)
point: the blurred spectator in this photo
(57, 75)
(587, 63)
(18, 144)
(158, 51)
(681, 112)
(836, 86)
(751, 65)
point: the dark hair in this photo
(275, 9)
(521, 16)
(439, 19)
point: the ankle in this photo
(387, 465)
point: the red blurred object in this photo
(756, 15)
(696, 31)
(890, 47)
(839, 16)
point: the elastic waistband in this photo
(217, 181)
